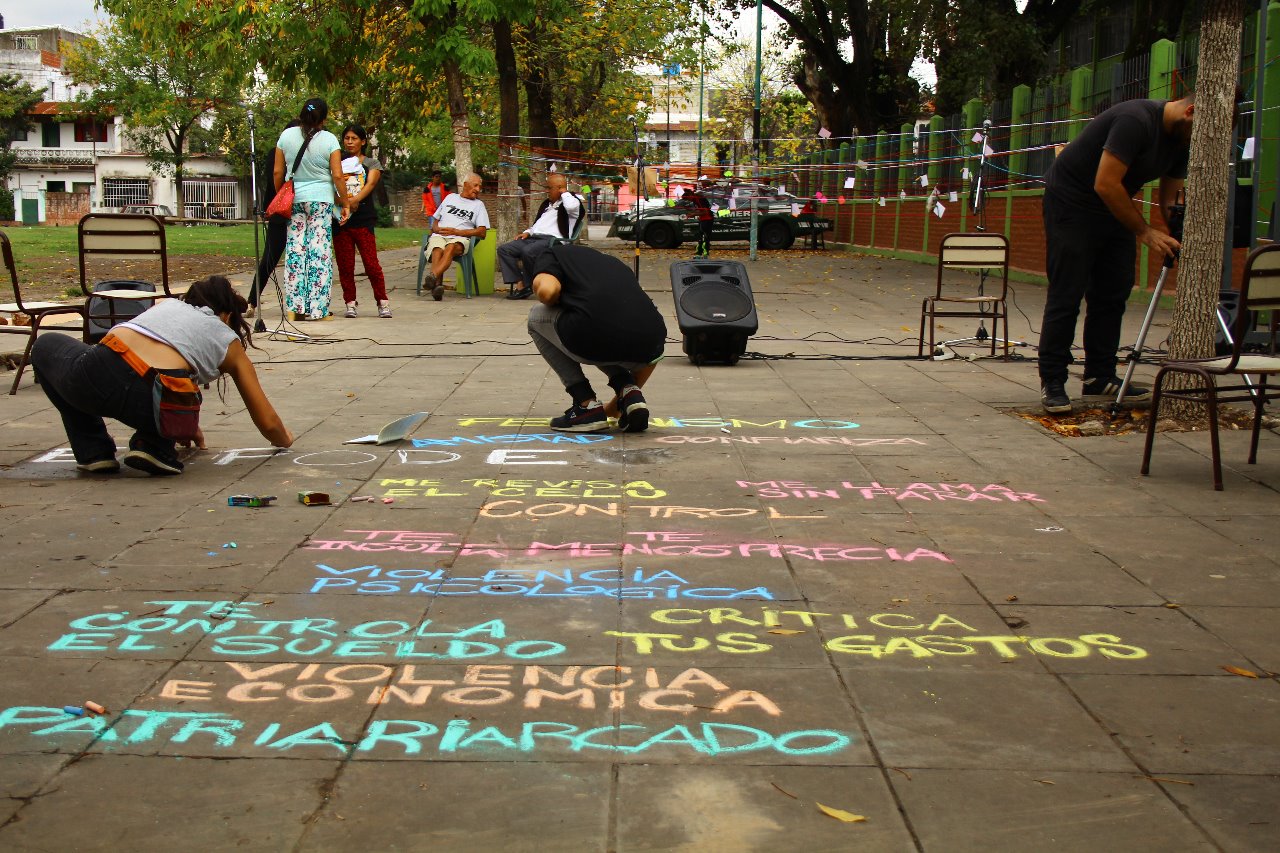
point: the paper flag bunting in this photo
(881, 201)
(823, 133)
(840, 200)
(924, 180)
(939, 210)
(818, 196)
(977, 137)
(849, 182)
(953, 197)
(551, 168)
(585, 188)
(964, 173)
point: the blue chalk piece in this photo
(213, 553)
(229, 545)
(73, 710)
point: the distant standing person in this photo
(555, 220)
(432, 194)
(706, 220)
(277, 228)
(592, 311)
(362, 175)
(312, 157)
(460, 217)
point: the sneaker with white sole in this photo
(141, 460)
(99, 466)
(1053, 396)
(633, 411)
(384, 310)
(352, 312)
(1108, 387)
(582, 419)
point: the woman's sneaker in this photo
(351, 310)
(144, 461)
(633, 411)
(579, 419)
(384, 310)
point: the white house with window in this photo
(69, 164)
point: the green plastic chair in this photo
(465, 263)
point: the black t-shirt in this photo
(1134, 132)
(606, 317)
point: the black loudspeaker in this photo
(715, 309)
(105, 313)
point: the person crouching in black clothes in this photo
(592, 311)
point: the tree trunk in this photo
(508, 129)
(542, 128)
(461, 119)
(1208, 173)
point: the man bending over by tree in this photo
(555, 220)
(457, 220)
(1091, 222)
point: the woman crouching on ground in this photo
(146, 373)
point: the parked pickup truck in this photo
(666, 227)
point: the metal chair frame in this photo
(1260, 291)
(973, 251)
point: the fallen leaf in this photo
(788, 793)
(1045, 782)
(841, 814)
(1171, 605)
(900, 600)
(1235, 670)
(1162, 779)
(1011, 598)
(786, 632)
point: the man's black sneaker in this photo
(633, 411)
(1109, 387)
(579, 419)
(1053, 396)
(522, 293)
(144, 461)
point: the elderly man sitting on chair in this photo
(556, 219)
(458, 218)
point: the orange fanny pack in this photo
(176, 399)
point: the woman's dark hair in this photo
(357, 130)
(314, 111)
(216, 294)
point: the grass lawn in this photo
(48, 266)
(39, 241)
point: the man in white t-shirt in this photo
(556, 219)
(459, 217)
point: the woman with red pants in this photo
(362, 175)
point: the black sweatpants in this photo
(1089, 258)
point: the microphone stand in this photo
(259, 326)
(640, 190)
(981, 336)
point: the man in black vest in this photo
(555, 220)
(591, 310)
(1091, 228)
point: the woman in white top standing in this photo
(317, 181)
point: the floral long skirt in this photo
(308, 259)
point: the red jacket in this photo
(429, 201)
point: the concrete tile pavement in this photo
(837, 575)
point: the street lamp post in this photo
(755, 136)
